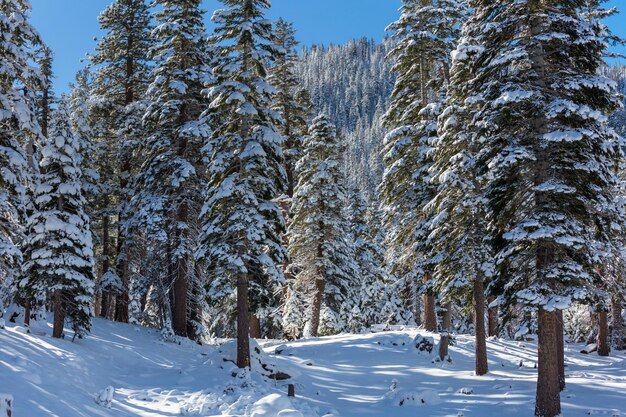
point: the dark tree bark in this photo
(548, 400)
(561, 348)
(617, 336)
(444, 342)
(492, 317)
(105, 311)
(430, 308)
(181, 283)
(604, 347)
(255, 327)
(320, 286)
(243, 322)
(482, 366)
(59, 315)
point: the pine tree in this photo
(20, 80)
(171, 178)
(60, 250)
(369, 257)
(424, 36)
(292, 103)
(318, 233)
(538, 104)
(241, 238)
(120, 77)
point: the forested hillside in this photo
(352, 83)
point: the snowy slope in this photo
(58, 378)
(351, 376)
(346, 375)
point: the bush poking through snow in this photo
(424, 344)
(105, 398)
(2, 324)
(6, 405)
(400, 397)
(466, 391)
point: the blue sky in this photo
(69, 26)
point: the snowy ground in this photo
(347, 376)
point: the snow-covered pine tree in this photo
(539, 105)
(370, 258)
(120, 80)
(20, 80)
(424, 36)
(241, 238)
(318, 231)
(60, 257)
(168, 197)
(294, 106)
(459, 230)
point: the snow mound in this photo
(260, 361)
(274, 405)
(400, 397)
(394, 340)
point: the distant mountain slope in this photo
(352, 83)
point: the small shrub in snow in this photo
(1, 323)
(400, 397)
(424, 344)
(105, 398)
(6, 405)
(466, 391)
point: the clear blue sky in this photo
(69, 26)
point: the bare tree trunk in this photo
(492, 317)
(243, 322)
(604, 347)
(255, 327)
(617, 338)
(430, 308)
(548, 400)
(181, 283)
(444, 342)
(482, 366)
(561, 348)
(27, 313)
(320, 285)
(59, 315)
(106, 261)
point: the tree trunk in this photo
(492, 317)
(320, 285)
(482, 366)
(243, 322)
(444, 342)
(27, 313)
(548, 400)
(430, 310)
(604, 347)
(59, 315)
(255, 327)
(106, 261)
(617, 338)
(181, 283)
(561, 348)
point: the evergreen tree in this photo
(369, 257)
(121, 75)
(318, 233)
(60, 250)
(20, 80)
(242, 223)
(424, 36)
(171, 178)
(538, 104)
(292, 103)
